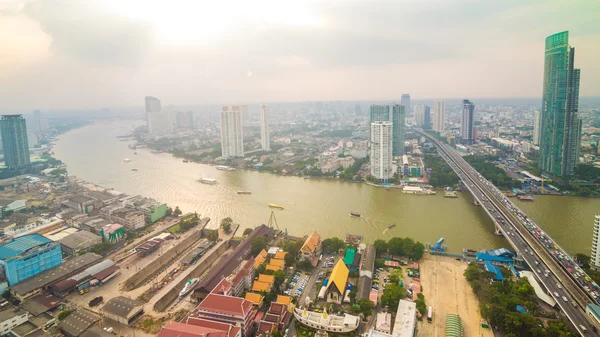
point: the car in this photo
(539, 271)
(556, 294)
(536, 262)
(558, 286)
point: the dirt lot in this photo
(448, 292)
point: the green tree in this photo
(247, 231)
(333, 245)
(177, 211)
(366, 306)
(380, 246)
(292, 248)
(169, 211)
(392, 294)
(213, 235)
(279, 276)
(258, 244)
(63, 314)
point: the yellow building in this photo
(256, 299)
(275, 264)
(336, 287)
(260, 258)
(280, 255)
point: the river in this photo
(95, 154)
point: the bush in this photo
(63, 314)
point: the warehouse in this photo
(123, 309)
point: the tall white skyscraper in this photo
(245, 115)
(595, 258)
(537, 122)
(405, 101)
(419, 115)
(467, 134)
(232, 137)
(265, 139)
(381, 149)
(439, 116)
(156, 120)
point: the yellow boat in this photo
(275, 206)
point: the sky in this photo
(110, 53)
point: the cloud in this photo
(87, 32)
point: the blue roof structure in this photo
(594, 309)
(491, 268)
(22, 244)
(488, 257)
(521, 309)
(501, 252)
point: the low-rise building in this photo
(94, 275)
(226, 309)
(77, 322)
(10, 319)
(123, 310)
(311, 247)
(27, 256)
(383, 322)
(131, 219)
(336, 286)
(406, 319)
(79, 241)
(94, 225)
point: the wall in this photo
(159, 263)
(204, 264)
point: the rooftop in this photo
(77, 322)
(39, 304)
(81, 239)
(231, 329)
(10, 313)
(311, 243)
(225, 304)
(121, 306)
(22, 244)
(406, 318)
(96, 331)
(349, 258)
(50, 276)
(339, 276)
(255, 298)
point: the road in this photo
(550, 273)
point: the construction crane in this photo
(273, 220)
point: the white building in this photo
(232, 136)
(406, 319)
(245, 115)
(156, 120)
(536, 127)
(381, 150)
(595, 258)
(265, 139)
(419, 115)
(439, 116)
(12, 318)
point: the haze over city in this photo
(70, 54)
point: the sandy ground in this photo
(448, 292)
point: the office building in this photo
(392, 113)
(439, 116)
(38, 124)
(381, 150)
(13, 130)
(466, 124)
(27, 256)
(265, 139)
(536, 127)
(152, 104)
(245, 115)
(232, 136)
(158, 121)
(405, 102)
(184, 120)
(423, 116)
(595, 257)
(560, 125)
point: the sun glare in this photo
(185, 20)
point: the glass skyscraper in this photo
(14, 141)
(391, 113)
(467, 133)
(560, 126)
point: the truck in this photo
(95, 301)
(429, 314)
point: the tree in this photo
(247, 231)
(292, 248)
(380, 246)
(63, 314)
(213, 235)
(258, 244)
(279, 276)
(333, 245)
(366, 306)
(226, 224)
(169, 211)
(392, 294)
(177, 211)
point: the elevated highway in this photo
(563, 285)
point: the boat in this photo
(225, 168)
(450, 194)
(275, 206)
(244, 192)
(188, 287)
(391, 226)
(469, 252)
(525, 197)
(324, 321)
(208, 181)
(186, 161)
(135, 170)
(127, 160)
(355, 214)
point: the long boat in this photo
(324, 321)
(208, 181)
(355, 214)
(275, 206)
(525, 197)
(244, 192)
(225, 168)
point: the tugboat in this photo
(186, 161)
(275, 206)
(134, 170)
(355, 214)
(244, 192)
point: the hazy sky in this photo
(94, 53)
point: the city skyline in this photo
(154, 49)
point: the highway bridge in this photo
(562, 284)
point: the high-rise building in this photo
(232, 137)
(405, 102)
(423, 116)
(392, 113)
(439, 116)
(537, 123)
(381, 149)
(184, 120)
(13, 130)
(245, 115)
(156, 120)
(466, 124)
(560, 125)
(595, 257)
(265, 139)
(153, 104)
